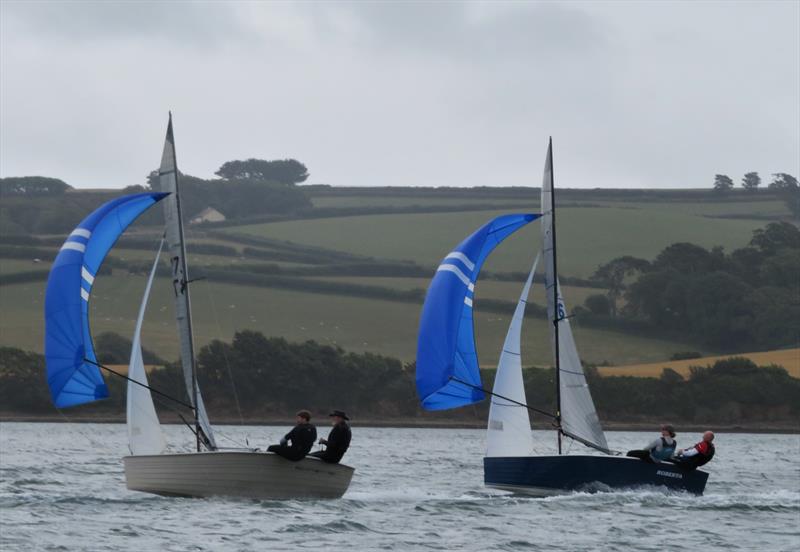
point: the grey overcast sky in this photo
(635, 94)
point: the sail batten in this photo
(72, 373)
(446, 349)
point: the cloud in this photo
(405, 93)
(201, 24)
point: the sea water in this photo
(62, 487)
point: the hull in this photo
(257, 475)
(550, 475)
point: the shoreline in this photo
(787, 428)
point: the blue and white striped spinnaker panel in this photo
(446, 343)
(68, 349)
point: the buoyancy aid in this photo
(665, 451)
(706, 453)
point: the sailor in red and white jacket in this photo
(699, 454)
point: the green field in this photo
(587, 237)
(12, 266)
(405, 201)
(485, 289)
(352, 323)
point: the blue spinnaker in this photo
(67, 341)
(446, 342)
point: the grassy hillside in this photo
(587, 236)
(594, 227)
(353, 323)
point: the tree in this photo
(782, 181)
(659, 296)
(722, 183)
(689, 258)
(612, 275)
(786, 186)
(285, 171)
(598, 304)
(775, 236)
(671, 377)
(751, 181)
(721, 309)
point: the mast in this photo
(168, 176)
(557, 309)
(184, 283)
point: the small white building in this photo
(209, 214)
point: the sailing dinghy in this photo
(74, 375)
(448, 377)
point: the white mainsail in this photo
(578, 415)
(509, 431)
(144, 430)
(168, 177)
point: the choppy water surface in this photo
(62, 488)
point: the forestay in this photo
(72, 372)
(578, 415)
(446, 343)
(509, 430)
(168, 179)
(144, 430)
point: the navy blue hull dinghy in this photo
(448, 376)
(549, 475)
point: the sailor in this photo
(338, 439)
(660, 449)
(698, 455)
(298, 442)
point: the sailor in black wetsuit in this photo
(298, 442)
(338, 439)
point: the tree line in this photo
(745, 299)
(258, 377)
(784, 184)
(248, 188)
(752, 181)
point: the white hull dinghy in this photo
(260, 475)
(74, 374)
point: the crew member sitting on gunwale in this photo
(660, 449)
(298, 442)
(338, 439)
(699, 455)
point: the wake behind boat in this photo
(74, 374)
(448, 376)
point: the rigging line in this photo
(152, 389)
(162, 402)
(232, 440)
(590, 444)
(479, 388)
(225, 354)
(210, 295)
